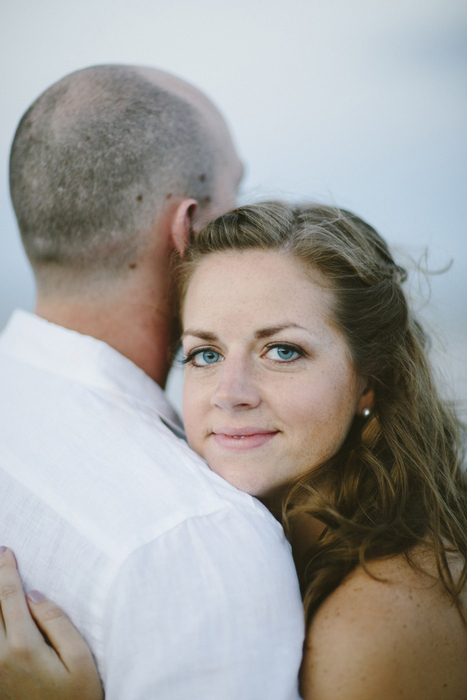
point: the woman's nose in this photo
(236, 388)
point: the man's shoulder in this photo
(106, 464)
(89, 454)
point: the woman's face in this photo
(270, 388)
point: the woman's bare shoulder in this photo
(398, 636)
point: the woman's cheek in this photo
(194, 415)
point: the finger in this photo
(60, 631)
(2, 622)
(20, 628)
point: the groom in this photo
(183, 586)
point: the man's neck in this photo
(141, 331)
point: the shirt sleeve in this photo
(209, 611)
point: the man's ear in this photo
(182, 221)
(367, 397)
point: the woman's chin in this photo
(254, 484)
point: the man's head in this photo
(107, 160)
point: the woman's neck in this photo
(303, 531)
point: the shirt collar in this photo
(84, 359)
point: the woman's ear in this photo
(367, 398)
(182, 221)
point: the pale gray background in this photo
(358, 102)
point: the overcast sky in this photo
(359, 102)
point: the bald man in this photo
(183, 586)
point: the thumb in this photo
(60, 633)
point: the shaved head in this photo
(99, 156)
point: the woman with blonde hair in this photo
(308, 385)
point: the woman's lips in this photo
(242, 439)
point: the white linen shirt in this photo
(183, 586)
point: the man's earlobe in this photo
(182, 223)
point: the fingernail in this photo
(36, 596)
(2, 550)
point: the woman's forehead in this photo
(251, 263)
(263, 284)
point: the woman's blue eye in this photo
(205, 357)
(283, 353)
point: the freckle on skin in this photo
(88, 138)
(202, 177)
(132, 266)
(139, 198)
(207, 199)
(168, 196)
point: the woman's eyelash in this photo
(187, 358)
(191, 355)
(288, 346)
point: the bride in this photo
(308, 386)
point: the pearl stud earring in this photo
(366, 412)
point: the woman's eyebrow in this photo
(259, 334)
(204, 335)
(272, 330)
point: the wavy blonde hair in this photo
(397, 481)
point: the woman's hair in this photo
(397, 481)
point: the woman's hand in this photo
(30, 668)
